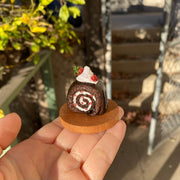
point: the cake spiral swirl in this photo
(87, 98)
(83, 100)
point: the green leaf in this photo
(78, 41)
(41, 8)
(62, 50)
(3, 35)
(37, 40)
(69, 50)
(76, 70)
(2, 45)
(36, 59)
(35, 47)
(12, 28)
(53, 39)
(74, 11)
(52, 47)
(64, 13)
(75, 36)
(44, 41)
(81, 2)
(3, 39)
(17, 22)
(16, 45)
(45, 2)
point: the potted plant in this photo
(33, 28)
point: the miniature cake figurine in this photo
(87, 94)
(87, 109)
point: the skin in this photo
(54, 153)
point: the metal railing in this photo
(166, 102)
(13, 87)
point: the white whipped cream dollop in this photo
(86, 75)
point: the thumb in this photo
(9, 128)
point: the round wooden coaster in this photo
(82, 123)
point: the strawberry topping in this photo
(94, 77)
(80, 71)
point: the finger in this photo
(104, 152)
(9, 128)
(66, 139)
(84, 145)
(69, 168)
(58, 122)
(49, 132)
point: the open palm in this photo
(54, 153)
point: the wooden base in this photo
(82, 123)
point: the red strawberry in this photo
(94, 77)
(80, 70)
(77, 70)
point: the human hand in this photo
(54, 153)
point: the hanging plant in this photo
(35, 27)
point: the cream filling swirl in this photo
(81, 100)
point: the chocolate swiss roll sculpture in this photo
(87, 94)
(87, 109)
